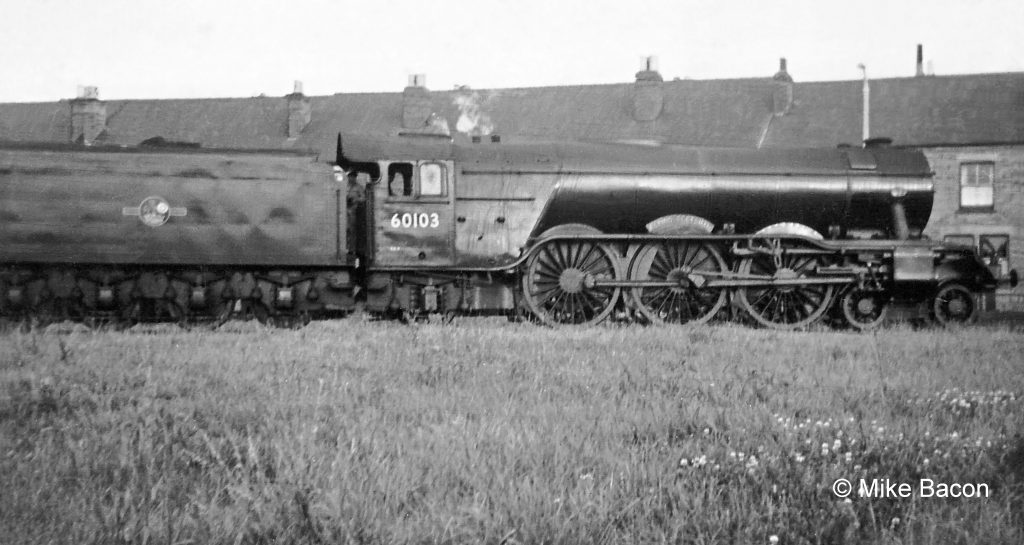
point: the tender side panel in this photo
(86, 207)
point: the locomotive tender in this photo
(567, 233)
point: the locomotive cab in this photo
(413, 214)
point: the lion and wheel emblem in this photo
(154, 211)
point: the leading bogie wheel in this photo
(691, 264)
(559, 282)
(784, 306)
(954, 304)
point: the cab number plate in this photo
(415, 221)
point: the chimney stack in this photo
(299, 111)
(782, 95)
(416, 107)
(920, 61)
(88, 116)
(648, 95)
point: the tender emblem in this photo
(154, 211)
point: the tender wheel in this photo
(692, 264)
(864, 310)
(784, 307)
(954, 304)
(558, 282)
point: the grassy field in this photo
(488, 432)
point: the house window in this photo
(976, 185)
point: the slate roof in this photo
(921, 111)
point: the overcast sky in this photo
(229, 48)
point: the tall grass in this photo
(487, 432)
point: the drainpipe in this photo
(866, 92)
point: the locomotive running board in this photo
(737, 283)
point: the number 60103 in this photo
(414, 221)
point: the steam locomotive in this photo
(416, 226)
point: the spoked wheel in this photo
(689, 263)
(954, 304)
(558, 283)
(784, 307)
(864, 310)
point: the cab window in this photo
(431, 180)
(400, 182)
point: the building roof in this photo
(917, 111)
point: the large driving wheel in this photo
(692, 265)
(864, 310)
(784, 307)
(558, 284)
(954, 304)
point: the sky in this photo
(231, 48)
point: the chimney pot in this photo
(649, 70)
(782, 74)
(417, 80)
(920, 61)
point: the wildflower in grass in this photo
(773, 540)
(683, 462)
(799, 458)
(837, 444)
(849, 457)
(925, 462)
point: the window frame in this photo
(966, 163)
(417, 190)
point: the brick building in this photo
(971, 127)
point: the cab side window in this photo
(400, 182)
(432, 177)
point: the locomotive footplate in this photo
(734, 281)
